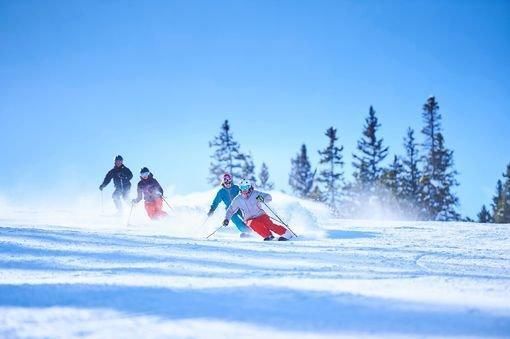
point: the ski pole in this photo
(166, 202)
(207, 218)
(102, 205)
(130, 212)
(216, 230)
(279, 219)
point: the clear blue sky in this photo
(82, 81)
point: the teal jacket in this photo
(226, 195)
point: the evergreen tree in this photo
(440, 199)
(265, 184)
(317, 195)
(392, 178)
(301, 176)
(411, 176)
(391, 191)
(331, 177)
(438, 177)
(248, 168)
(496, 198)
(502, 214)
(226, 156)
(367, 163)
(484, 216)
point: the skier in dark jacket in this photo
(152, 194)
(121, 176)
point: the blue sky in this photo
(82, 81)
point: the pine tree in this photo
(484, 216)
(331, 177)
(391, 190)
(496, 198)
(411, 176)
(301, 177)
(438, 177)
(367, 163)
(226, 157)
(265, 184)
(502, 214)
(248, 168)
(317, 195)
(443, 201)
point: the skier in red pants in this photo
(248, 201)
(152, 194)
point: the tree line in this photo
(418, 184)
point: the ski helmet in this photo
(227, 178)
(119, 158)
(244, 185)
(144, 172)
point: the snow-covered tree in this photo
(226, 156)
(317, 195)
(371, 153)
(497, 197)
(502, 214)
(332, 176)
(484, 216)
(411, 176)
(264, 182)
(248, 168)
(391, 190)
(438, 177)
(301, 177)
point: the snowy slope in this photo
(74, 273)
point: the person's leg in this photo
(241, 226)
(259, 226)
(125, 196)
(116, 199)
(158, 209)
(150, 208)
(278, 229)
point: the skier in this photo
(226, 194)
(249, 203)
(152, 194)
(121, 176)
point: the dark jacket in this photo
(121, 177)
(150, 188)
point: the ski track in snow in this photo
(362, 279)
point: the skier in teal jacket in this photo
(226, 194)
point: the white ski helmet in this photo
(244, 185)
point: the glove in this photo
(225, 222)
(210, 213)
(101, 187)
(260, 198)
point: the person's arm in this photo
(232, 209)
(158, 187)
(107, 179)
(261, 196)
(139, 197)
(129, 174)
(215, 202)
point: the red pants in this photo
(263, 225)
(154, 209)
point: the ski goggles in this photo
(145, 175)
(244, 188)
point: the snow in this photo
(76, 273)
